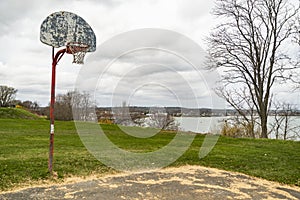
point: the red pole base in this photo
(55, 60)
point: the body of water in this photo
(214, 124)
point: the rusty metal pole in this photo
(55, 60)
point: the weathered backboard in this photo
(61, 28)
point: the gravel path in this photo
(188, 182)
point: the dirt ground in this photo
(188, 182)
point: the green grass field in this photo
(24, 153)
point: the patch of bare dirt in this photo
(187, 182)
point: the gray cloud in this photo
(25, 63)
(150, 65)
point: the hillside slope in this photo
(17, 113)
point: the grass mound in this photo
(17, 113)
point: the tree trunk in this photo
(286, 121)
(264, 125)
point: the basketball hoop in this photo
(78, 51)
(57, 30)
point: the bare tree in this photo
(246, 115)
(275, 126)
(7, 95)
(284, 127)
(297, 31)
(159, 118)
(82, 106)
(63, 107)
(32, 106)
(162, 121)
(297, 62)
(122, 115)
(80, 103)
(156, 118)
(249, 46)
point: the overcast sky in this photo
(145, 77)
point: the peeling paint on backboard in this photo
(62, 27)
